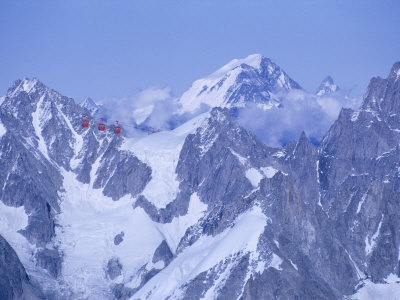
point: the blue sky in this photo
(111, 49)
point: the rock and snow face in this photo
(253, 79)
(203, 211)
(90, 106)
(358, 173)
(327, 86)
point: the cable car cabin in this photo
(101, 125)
(117, 129)
(85, 121)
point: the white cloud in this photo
(135, 109)
(299, 111)
(153, 107)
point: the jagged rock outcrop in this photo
(14, 282)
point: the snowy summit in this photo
(252, 79)
(89, 105)
(327, 86)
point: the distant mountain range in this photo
(203, 211)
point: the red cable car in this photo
(117, 128)
(85, 121)
(101, 125)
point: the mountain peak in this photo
(328, 79)
(25, 85)
(383, 94)
(327, 86)
(253, 60)
(395, 71)
(248, 80)
(89, 104)
(91, 107)
(303, 136)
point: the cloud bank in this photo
(136, 109)
(299, 111)
(153, 107)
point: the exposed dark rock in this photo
(119, 238)
(163, 253)
(114, 268)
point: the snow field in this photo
(255, 176)
(13, 219)
(88, 224)
(373, 291)
(161, 152)
(204, 254)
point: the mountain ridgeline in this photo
(203, 211)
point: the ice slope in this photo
(204, 254)
(161, 152)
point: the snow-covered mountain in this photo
(327, 86)
(205, 211)
(90, 106)
(253, 79)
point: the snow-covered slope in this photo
(389, 289)
(252, 79)
(204, 255)
(161, 152)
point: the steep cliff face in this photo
(358, 171)
(14, 282)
